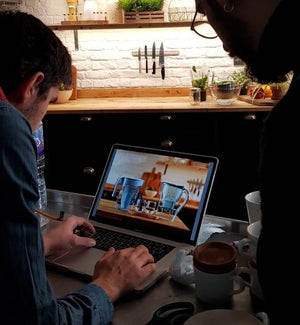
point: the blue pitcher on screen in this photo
(170, 197)
(128, 192)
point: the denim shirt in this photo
(26, 297)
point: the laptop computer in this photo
(149, 196)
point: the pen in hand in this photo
(60, 218)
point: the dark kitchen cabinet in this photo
(238, 151)
(77, 146)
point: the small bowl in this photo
(150, 193)
(225, 93)
(63, 96)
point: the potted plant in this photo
(200, 81)
(242, 79)
(142, 10)
(64, 94)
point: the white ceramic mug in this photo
(253, 201)
(217, 288)
(215, 272)
(248, 245)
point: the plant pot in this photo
(143, 16)
(203, 95)
(244, 91)
(63, 96)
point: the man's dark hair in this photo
(29, 46)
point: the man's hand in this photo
(62, 237)
(119, 272)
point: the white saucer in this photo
(223, 317)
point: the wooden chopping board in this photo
(151, 179)
(259, 102)
(74, 84)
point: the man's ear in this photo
(30, 88)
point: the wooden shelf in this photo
(78, 25)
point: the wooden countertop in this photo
(149, 104)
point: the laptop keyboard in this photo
(109, 238)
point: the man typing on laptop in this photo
(33, 62)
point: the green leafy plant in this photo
(62, 86)
(199, 80)
(241, 78)
(201, 83)
(140, 5)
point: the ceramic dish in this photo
(223, 317)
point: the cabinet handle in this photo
(85, 118)
(88, 170)
(249, 117)
(166, 117)
(166, 143)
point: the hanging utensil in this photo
(146, 58)
(140, 63)
(153, 58)
(162, 60)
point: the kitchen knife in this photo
(162, 60)
(153, 58)
(146, 58)
(140, 63)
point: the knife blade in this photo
(153, 58)
(140, 63)
(146, 58)
(162, 60)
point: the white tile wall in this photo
(105, 59)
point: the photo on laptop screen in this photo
(153, 191)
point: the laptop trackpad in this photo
(80, 260)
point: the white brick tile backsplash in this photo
(105, 59)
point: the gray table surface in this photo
(138, 309)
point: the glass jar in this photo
(194, 96)
(72, 5)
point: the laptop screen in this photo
(158, 192)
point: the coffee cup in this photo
(248, 246)
(253, 283)
(253, 202)
(216, 273)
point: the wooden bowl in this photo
(63, 96)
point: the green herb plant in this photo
(140, 5)
(62, 86)
(241, 79)
(201, 81)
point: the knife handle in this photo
(146, 66)
(163, 72)
(153, 68)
